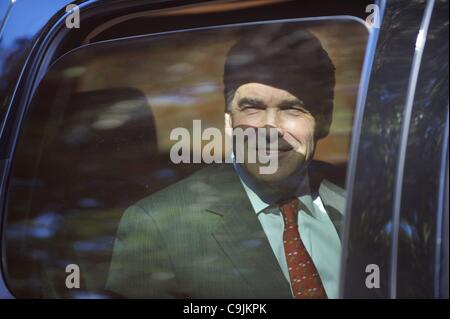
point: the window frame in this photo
(42, 58)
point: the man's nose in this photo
(272, 121)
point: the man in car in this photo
(229, 231)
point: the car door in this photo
(397, 219)
(377, 158)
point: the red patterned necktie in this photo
(305, 280)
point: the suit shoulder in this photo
(186, 193)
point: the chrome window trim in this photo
(355, 140)
(412, 83)
(441, 211)
(220, 26)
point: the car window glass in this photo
(99, 140)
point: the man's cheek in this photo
(295, 142)
(306, 147)
(288, 137)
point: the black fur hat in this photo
(288, 57)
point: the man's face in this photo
(258, 105)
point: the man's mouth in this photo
(279, 152)
(282, 147)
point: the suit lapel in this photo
(243, 240)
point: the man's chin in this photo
(288, 164)
(281, 173)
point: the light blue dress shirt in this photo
(316, 229)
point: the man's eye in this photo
(251, 109)
(295, 111)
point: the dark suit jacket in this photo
(199, 238)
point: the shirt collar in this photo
(259, 205)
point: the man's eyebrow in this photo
(251, 101)
(286, 104)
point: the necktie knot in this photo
(289, 209)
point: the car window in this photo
(113, 179)
(397, 226)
